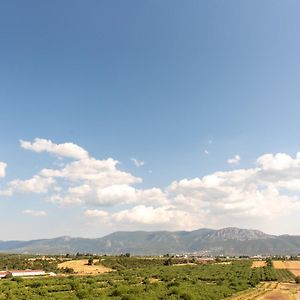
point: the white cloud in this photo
(96, 213)
(99, 172)
(266, 191)
(37, 184)
(137, 163)
(84, 180)
(206, 152)
(278, 162)
(92, 181)
(150, 215)
(2, 169)
(244, 193)
(234, 160)
(34, 213)
(61, 150)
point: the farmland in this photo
(81, 267)
(270, 291)
(259, 264)
(136, 278)
(292, 266)
(119, 277)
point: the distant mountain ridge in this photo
(226, 241)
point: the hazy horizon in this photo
(148, 115)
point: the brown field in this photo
(292, 266)
(278, 264)
(277, 295)
(270, 291)
(258, 264)
(82, 268)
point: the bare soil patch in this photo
(258, 264)
(81, 267)
(277, 296)
(270, 291)
(278, 264)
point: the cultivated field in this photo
(136, 278)
(292, 266)
(258, 264)
(81, 267)
(278, 264)
(270, 291)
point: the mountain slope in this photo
(227, 241)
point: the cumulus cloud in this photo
(100, 172)
(278, 162)
(219, 198)
(145, 215)
(34, 213)
(252, 193)
(150, 215)
(2, 169)
(83, 180)
(234, 160)
(267, 190)
(62, 150)
(36, 184)
(137, 163)
(93, 181)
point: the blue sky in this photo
(182, 86)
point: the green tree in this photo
(90, 261)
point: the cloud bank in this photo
(113, 196)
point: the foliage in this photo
(90, 261)
(143, 279)
(23, 262)
(127, 262)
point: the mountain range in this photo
(226, 241)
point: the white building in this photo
(3, 274)
(23, 273)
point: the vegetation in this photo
(125, 262)
(23, 262)
(90, 261)
(137, 278)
